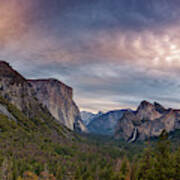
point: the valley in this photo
(37, 141)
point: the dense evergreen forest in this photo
(29, 150)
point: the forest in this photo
(31, 151)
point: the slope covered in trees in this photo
(36, 150)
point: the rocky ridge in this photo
(149, 120)
(104, 124)
(87, 117)
(27, 97)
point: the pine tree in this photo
(157, 164)
(6, 170)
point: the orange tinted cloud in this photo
(11, 21)
(94, 44)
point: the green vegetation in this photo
(32, 149)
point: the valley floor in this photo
(32, 155)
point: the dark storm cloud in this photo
(101, 14)
(114, 53)
(108, 86)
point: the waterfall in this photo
(134, 136)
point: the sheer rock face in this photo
(125, 127)
(36, 97)
(57, 97)
(15, 89)
(149, 119)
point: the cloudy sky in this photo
(114, 53)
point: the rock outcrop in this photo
(149, 120)
(5, 111)
(35, 97)
(58, 98)
(16, 90)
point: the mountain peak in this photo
(6, 71)
(147, 111)
(144, 104)
(4, 63)
(159, 107)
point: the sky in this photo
(114, 53)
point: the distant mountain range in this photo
(87, 117)
(47, 100)
(148, 121)
(105, 123)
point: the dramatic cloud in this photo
(113, 53)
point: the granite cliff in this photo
(34, 97)
(58, 98)
(149, 120)
(16, 90)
